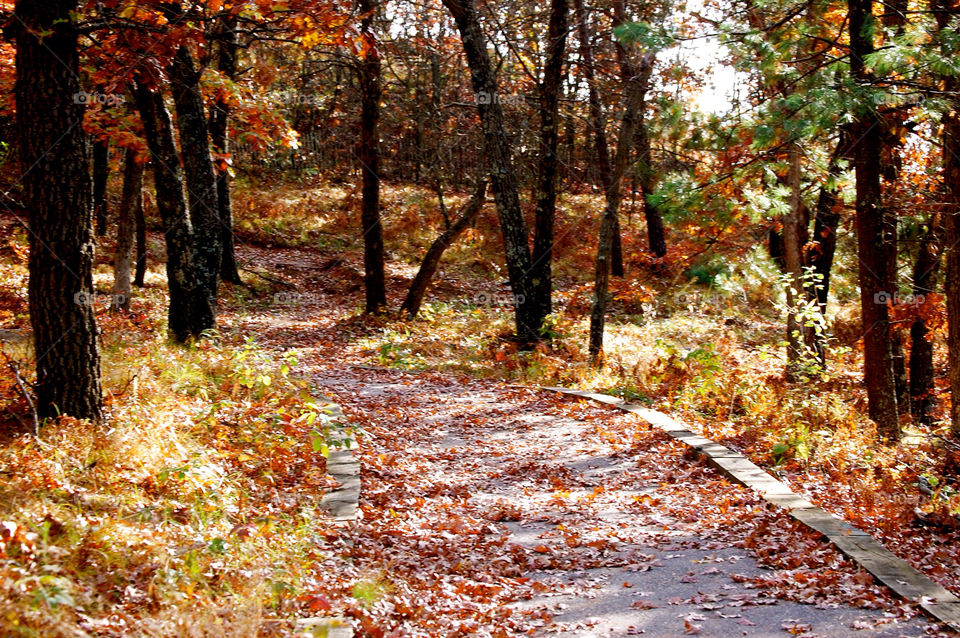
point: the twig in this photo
(126, 386)
(21, 385)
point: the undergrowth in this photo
(188, 512)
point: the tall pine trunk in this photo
(597, 125)
(374, 277)
(944, 12)
(101, 171)
(131, 198)
(549, 142)
(799, 337)
(201, 180)
(822, 246)
(503, 177)
(647, 179)
(140, 223)
(628, 127)
(876, 237)
(190, 312)
(925, 268)
(825, 223)
(57, 192)
(219, 121)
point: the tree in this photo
(876, 234)
(140, 223)
(547, 170)
(374, 278)
(131, 207)
(944, 12)
(597, 124)
(219, 119)
(497, 151)
(206, 229)
(799, 336)
(636, 89)
(191, 311)
(925, 268)
(418, 287)
(57, 191)
(101, 171)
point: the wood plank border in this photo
(857, 545)
(343, 503)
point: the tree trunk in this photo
(656, 233)
(598, 127)
(900, 379)
(374, 278)
(818, 258)
(825, 223)
(925, 268)
(628, 126)
(130, 199)
(549, 142)
(627, 73)
(944, 12)
(794, 238)
(951, 151)
(876, 238)
(428, 267)
(141, 226)
(219, 119)
(191, 311)
(101, 171)
(201, 180)
(56, 185)
(528, 314)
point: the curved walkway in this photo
(539, 513)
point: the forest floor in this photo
(489, 507)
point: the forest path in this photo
(493, 510)
(619, 532)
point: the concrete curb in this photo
(859, 546)
(343, 503)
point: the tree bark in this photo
(56, 185)
(101, 171)
(656, 232)
(527, 313)
(374, 277)
(925, 268)
(130, 199)
(876, 237)
(628, 126)
(428, 267)
(201, 179)
(547, 173)
(140, 223)
(598, 127)
(825, 223)
(944, 11)
(597, 121)
(952, 240)
(219, 120)
(794, 238)
(191, 311)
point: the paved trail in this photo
(626, 535)
(497, 511)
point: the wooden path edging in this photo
(859, 546)
(343, 503)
